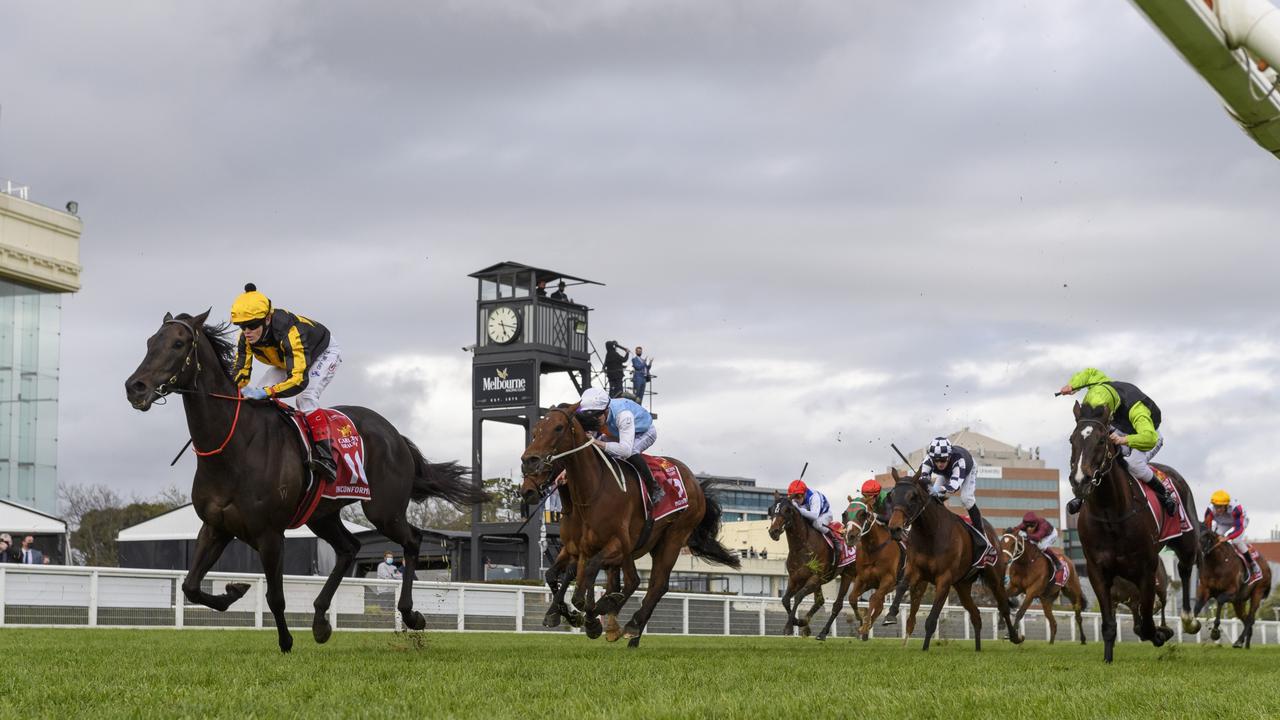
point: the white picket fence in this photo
(78, 597)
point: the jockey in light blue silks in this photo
(630, 429)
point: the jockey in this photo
(1039, 531)
(302, 359)
(873, 496)
(813, 505)
(951, 469)
(1229, 520)
(629, 424)
(1135, 421)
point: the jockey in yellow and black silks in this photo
(302, 359)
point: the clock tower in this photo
(526, 327)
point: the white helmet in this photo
(593, 399)
(940, 448)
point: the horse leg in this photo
(614, 597)
(584, 596)
(1190, 625)
(271, 551)
(917, 595)
(836, 606)
(345, 545)
(664, 558)
(992, 580)
(1238, 605)
(875, 604)
(818, 602)
(209, 546)
(613, 631)
(1101, 583)
(396, 528)
(964, 590)
(942, 586)
(855, 592)
(557, 579)
(1046, 604)
(898, 591)
(1077, 605)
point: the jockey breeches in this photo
(968, 488)
(318, 377)
(1139, 461)
(1048, 542)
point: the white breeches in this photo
(318, 377)
(1048, 542)
(1140, 460)
(968, 487)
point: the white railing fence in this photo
(60, 596)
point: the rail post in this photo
(93, 598)
(519, 610)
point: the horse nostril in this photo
(137, 386)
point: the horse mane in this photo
(223, 346)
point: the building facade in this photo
(39, 261)
(740, 498)
(1011, 481)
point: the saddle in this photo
(984, 551)
(348, 455)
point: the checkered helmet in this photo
(940, 448)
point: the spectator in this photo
(753, 552)
(613, 366)
(388, 570)
(764, 553)
(30, 555)
(559, 294)
(46, 560)
(640, 374)
(542, 288)
(7, 553)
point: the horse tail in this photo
(448, 481)
(703, 542)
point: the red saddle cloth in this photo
(1060, 572)
(348, 455)
(667, 474)
(1256, 575)
(848, 553)
(1171, 526)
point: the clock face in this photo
(503, 325)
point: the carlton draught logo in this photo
(502, 383)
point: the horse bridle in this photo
(164, 389)
(1109, 461)
(546, 464)
(864, 528)
(1019, 544)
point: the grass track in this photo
(102, 674)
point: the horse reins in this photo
(166, 388)
(548, 460)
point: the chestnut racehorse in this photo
(615, 529)
(878, 565)
(1028, 570)
(1222, 579)
(1118, 533)
(940, 550)
(810, 565)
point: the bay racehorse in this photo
(940, 550)
(559, 576)
(1029, 570)
(879, 564)
(615, 527)
(251, 473)
(1222, 579)
(811, 563)
(1119, 535)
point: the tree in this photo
(95, 514)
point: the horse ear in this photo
(167, 317)
(850, 497)
(202, 317)
(1078, 409)
(894, 472)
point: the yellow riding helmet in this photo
(251, 305)
(1220, 498)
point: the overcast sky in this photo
(834, 224)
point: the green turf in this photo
(101, 674)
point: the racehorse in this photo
(940, 549)
(1029, 570)
(1119, 534)
(811, 563)
(615, 527)
(1222, 579)
(561, 572)
(252, 475)
(878, 566)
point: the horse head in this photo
(1208, 539)
(781, 515)
(908, 499)
(858, 520)
(554, 436)
(171, 361)
(1091, 452)
(1012, 544)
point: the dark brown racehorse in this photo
(878, 565)
(251, 474)
(1222, 579)
(1028, 570)
(1118, 533)
(940, 550)
(614, 530)
(1126, 593)
(810, 565)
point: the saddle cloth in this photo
(348, 455)
(1171, 526)
(1060, 572)
(984, 550)
(1256, 575)
(847, 553)
(667, 474)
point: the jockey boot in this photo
(1073, 505)
(975, 517)
(322, 460)
(642, 469)
(1163, 494)
(1250, 567)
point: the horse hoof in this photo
(805, 631)
(576, 619)
(286, 644)
(613, 634)
(634, 642)
(1215, 634)
(864, 636)
(414, 620)
(820, 637)
(551, 619)
(593, 628)
(321, 630)
(631, 631)
(1238, 643)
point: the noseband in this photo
(1108, 462)
(165, 388)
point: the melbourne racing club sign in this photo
(503, 384)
